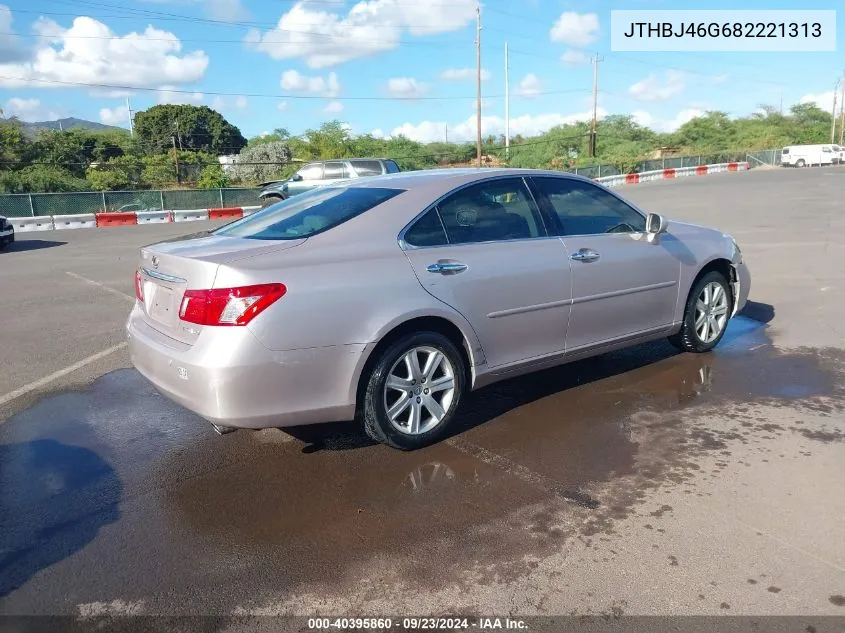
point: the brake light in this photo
(139, 286)
(228, 306)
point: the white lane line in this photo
(17, 393)
(91, 282)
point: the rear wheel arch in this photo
(438, 324)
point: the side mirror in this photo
(296, 178)
(655, 224)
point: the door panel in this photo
(632, 287)
(484, 251)
(515, 294)
(623, 283)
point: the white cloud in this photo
(324, 38)
(378, 133)
(333, 107)
(572, 57)
(652, 89)
(282, 106)
(226, 10)
(529, 87)
(241, 102)
(822, 99)
(666, 125)
(12, 48)
(525, 125)
(90, 52)
(575, 29)
(295, 82)
(30, 110)
(406, 87)
(464, 74)
(222, 103)
(115, 116)
(167, 95)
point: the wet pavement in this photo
(642, 481)
(114, 491)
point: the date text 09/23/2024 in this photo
(417, 624)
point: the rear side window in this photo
(334, 171)
(494, 210)
(367, 167)
(308, 213)
(392, 167)
(427, 231)
(786, 150)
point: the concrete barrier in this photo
(229, 213)
(190, 215)
(152, 217)
(668, 173)
(632, 179)
(115, 219)
(79, 221)
(37, 223)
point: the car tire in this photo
(693, 337)
(378, 397)
(800, 163)
(268, 200)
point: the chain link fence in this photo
(24, 205)
(21, 205)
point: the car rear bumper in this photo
(229, 378)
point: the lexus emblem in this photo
(155, 261)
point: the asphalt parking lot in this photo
(639, 482)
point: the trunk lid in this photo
(167, 269)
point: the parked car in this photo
(809, 155)
(387, 299)
(7, 232)
(322, 173)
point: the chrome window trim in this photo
(405, 246)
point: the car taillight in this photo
(139, 286)
(228, 306)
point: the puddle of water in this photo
(328, 505)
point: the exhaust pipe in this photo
(222, 430)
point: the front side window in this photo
(491, 211)
(826, 150)
(581, 208)
(308, 213)
(311, 172)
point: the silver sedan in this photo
(386, 300)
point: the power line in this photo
(78, 84)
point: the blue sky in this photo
(388, 66)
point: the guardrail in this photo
(47, 223)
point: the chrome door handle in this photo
(584, 255)
(445, 268)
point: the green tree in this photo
(40, 178)
(195, 128)
(212, 177)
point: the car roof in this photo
(450, 177)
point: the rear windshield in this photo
(308, 213)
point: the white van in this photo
(808, 155)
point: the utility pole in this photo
(178, 134)
(447, 133)
(507, 106)
(478, 82)
(176, 160)
(596, 61)
(129, 112)
(842, 112)
(833, 123)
